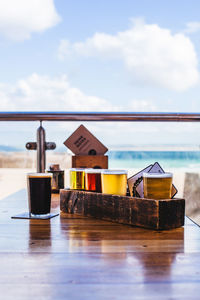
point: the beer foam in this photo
(39, 175)
(77, 169)
(114, 172)
(93, 171)
(157, 175)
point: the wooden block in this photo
(90, 161)
(147, 213)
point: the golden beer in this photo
(77, 179)
(157, 185)
(114, 182)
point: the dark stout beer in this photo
(39, 193)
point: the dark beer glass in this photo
(39, 193)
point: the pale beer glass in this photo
(157, 185)
(77, 178)
(114, 182)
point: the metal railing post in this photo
(41, 146)
(41, 153)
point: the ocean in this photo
(167, 159)
(125, 159)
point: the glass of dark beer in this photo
(39, 194)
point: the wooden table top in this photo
(72, 257)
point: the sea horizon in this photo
(127, 159)
(117, 147)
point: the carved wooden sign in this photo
(83, 142)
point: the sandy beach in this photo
(15, 165)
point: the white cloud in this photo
(38, 92)
(48, 94)
(152, 55)
(42, 93)
(192, 27)
(20, 18)
(64, 49)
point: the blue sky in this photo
(86, 55)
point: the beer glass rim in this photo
(158, 175)
(39, 175)
(114, 172)
(97, 171)
(77, 169)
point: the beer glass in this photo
(157, 185)
(77, 179)
(39, 194)
(114, 182)
(93, 180)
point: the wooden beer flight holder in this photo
(148, 213)
(155, 214)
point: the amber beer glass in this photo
(157, 185)
(114, 182)
(93, 180)
(39, 193)
(77, 179)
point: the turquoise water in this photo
(167, 159)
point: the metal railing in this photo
(99, 116)
(41, 145)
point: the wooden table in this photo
(71, 257)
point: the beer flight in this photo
(155, 185)
(106, 181)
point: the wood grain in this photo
(90, 161)
(75, 257)
(147, 213)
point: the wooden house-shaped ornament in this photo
(88, 151)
